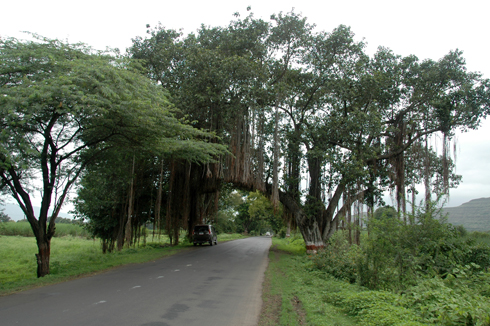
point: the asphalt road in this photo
(207, 285)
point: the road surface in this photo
(207, 285)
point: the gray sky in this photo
(428, 29)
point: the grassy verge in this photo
(73, 257)
(292, 292)
(297, 292)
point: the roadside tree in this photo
(61, 105)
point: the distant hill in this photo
(473, 215)
(15, 213)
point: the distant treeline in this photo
(23, 229)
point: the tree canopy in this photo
(306, 105)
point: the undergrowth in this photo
(329, 295)
(422, 273)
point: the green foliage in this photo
(224, 223)
(260, 208)
(339, 259)
(89, 102)
(351, 118)
(426, 272)
(456, 300)
(63, 220)
(385, 212)
(395, 254)
(254, 213)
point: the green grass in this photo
(23, 228)
(293, 294)
(73, 257)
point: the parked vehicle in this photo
(204, 234)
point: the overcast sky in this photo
(428, 29)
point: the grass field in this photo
(72, 257)
(23, 228)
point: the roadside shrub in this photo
(282, 233)
(339, 258)
(394, 255)
(388, 255)
(478, 254)
(449, 301)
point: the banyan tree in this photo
(309, 118)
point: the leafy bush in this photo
(450, 301)
(282, 233)
(478, 254)
(395, 255)
(339, 258)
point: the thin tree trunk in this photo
(427, 175)
(349, 219)
(275, 176)
(288, 228)
(158, 204)
(130, 206)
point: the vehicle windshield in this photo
(201, 228)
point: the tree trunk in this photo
(275, 170)
(312, 235)
(128, 230)
(427, 175)
(157, 225)
(43, 255)
(312, 226)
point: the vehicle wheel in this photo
(195, 244)
(216, 242)
(211, 242)
(200, 244)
